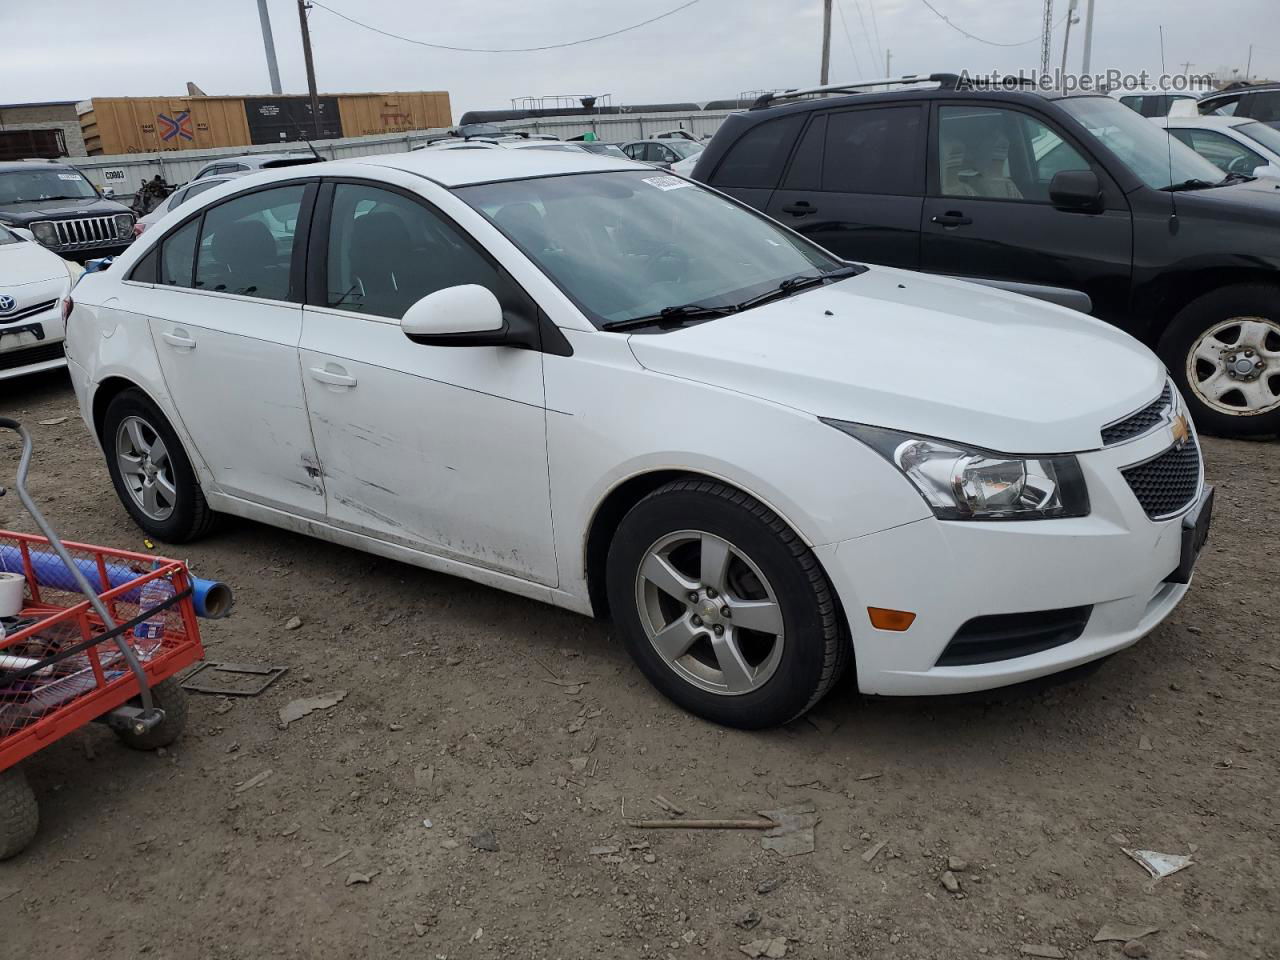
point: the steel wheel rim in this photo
(143, 459)
(1234, 366)
(709, 612)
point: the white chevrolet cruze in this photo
(620, 392)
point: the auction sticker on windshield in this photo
(69, 176)
(666, 183)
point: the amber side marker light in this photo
(883, 619)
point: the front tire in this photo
(723, 607)
(1223, 350)
(151, 472)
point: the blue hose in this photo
(211, 598)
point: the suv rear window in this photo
(757, 157)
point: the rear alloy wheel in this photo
(150, 470)
(1224, 351)
(723, 607)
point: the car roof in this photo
(1206, 120)
(1245, 91)
(10, 166)
(458, 168)
(913, 94)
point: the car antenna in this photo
(1168, 146)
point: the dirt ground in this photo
(450, 716)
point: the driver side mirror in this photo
(468, 315)
(1076, 190)
(1267, 170)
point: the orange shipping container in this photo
(117, 125)
(364, 114)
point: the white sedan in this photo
(34, 283)
(625, 394)
(1233, 144)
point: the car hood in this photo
(1261, 195)
(20, 214)
(926, 355)
(28, 262)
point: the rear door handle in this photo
(179, 339)
(953, 218)
(333, 375)
(800, 208)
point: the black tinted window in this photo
(387, 251)
(246, 246)
(757, 157)
(1261, 106)
(875, 151)
(177, 255)
(805, 172)
(144, 271)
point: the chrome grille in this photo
(30, 311)
(85, 233)
(1168, 483)
(1145, 420)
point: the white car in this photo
(34, 283)
(1233, 144)
(512, 142)
(616, 391)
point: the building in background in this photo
(121, 125)
(47, 130)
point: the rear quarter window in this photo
(756, 158)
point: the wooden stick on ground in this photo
(755, 823)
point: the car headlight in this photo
(45, 232)
(124, 226)
(966, 483)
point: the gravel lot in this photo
(450, 715)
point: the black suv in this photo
(63, 210)
(1075, 199)
(1259, 101)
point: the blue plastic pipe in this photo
(211, 598)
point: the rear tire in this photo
(169, 696)
(20, 816)
(176, 510)
(748, 677)
(1216, 335)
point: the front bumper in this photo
(1115, 560)
(23, 353)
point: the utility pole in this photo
(888, 55)
(311, 67)
(269, 42)
(1087, 57)
(1186, 67)
(1046, 37)
(1248, 65)
(825, 75)
(1066, 39)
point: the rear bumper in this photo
(1115, 561)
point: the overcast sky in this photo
(77, 49)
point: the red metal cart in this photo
(100, 637)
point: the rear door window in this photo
(876, 150)
(805, 172)
(246, 246)
(757, 157)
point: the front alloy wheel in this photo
(723, 607)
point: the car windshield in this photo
(1146, 149)
(23, 186)
(1269, 137)
(8, 237)
(627, 245)
(684, 148)
(608, 149)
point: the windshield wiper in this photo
(670, 316)
(1234, 178)
(1192, 184)
(795, 284)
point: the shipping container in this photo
(122, 125)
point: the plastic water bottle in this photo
(151, 630)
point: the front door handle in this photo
(179, 339)
(953, 218)
(800, 208)
(333, 375)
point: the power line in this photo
(549, 46)
(866, 34)
(992, 43)
(848, 39)
(876, 27)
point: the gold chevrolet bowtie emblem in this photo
(1181, 430)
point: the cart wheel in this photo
(20, 816)
(169, 696)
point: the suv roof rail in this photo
(943, 80)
